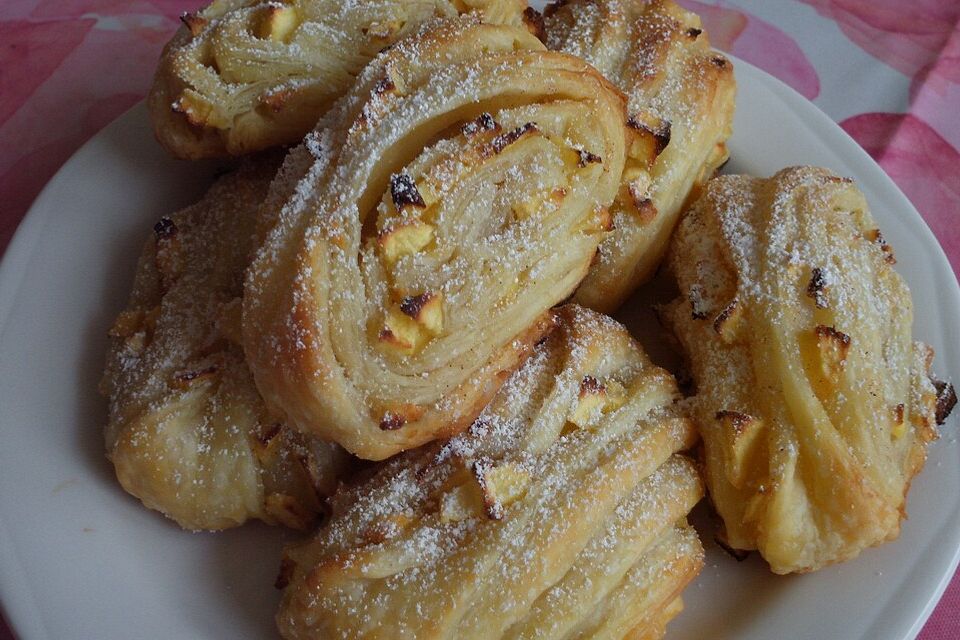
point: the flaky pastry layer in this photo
(561, 513)
(680, 91)
(814, 403)
(245, 75)
(422, 233)
(187, 432)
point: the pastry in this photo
(560, 513)
(244, 75)
(814, 403)
(454, 196)
(679, 90)
(187, 432)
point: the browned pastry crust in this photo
(561, 513)
(245, 75)
(680, 91)
(814, 403)
(188, 433)
(423, 232)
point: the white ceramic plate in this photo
(81, 559)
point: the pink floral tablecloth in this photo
(888, 71)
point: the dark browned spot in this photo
(946, 400)
(413, 305)
(738, 420)
(385, 85)
(661, 134)
(287, 567)
(693, 33)
(392, 422)
(590, 385)
(815, 288)
(646, 210)
(587, 158)
(719, 61)
(697, 304)
(723, 316)
(553, 7)
(738, 554)
(874, 235)
(483, 122)
(193, 22)
(403, 191)
(898, 414)
(268, 435)
(165, 229)
(534, 23)
(824, 331)
(185, 377)
(502, 141)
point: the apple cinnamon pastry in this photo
(454, 196)
(244, 75)
(560, 513)
(814, 403)
(679, 90)
(188, 433)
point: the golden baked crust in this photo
(560, 513)
(681, 91)
(187, 431)
(454, 196)
(244, 75)
(814, 403)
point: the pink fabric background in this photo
(69, 67)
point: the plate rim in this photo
(17, 602)
(851, 147)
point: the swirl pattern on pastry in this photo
(560, 513)
(432, 220)
(679, 90)
(188, 433)
(814, 403)
(244, 75)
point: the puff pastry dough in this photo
(455, 195)
(245, 75)
(681, 91)
(561, 513)
(187, 431)
(814, 403)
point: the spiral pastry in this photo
(560, 513)
(245, 75)
(455, 195)
(814, 403)
(681, 92)
(188, 433)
